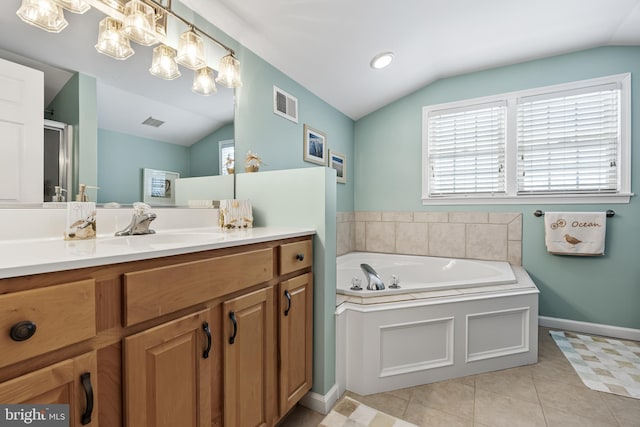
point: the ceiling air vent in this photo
(153, 122)
(285, 105)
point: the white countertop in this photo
(32, 256)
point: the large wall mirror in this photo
(141, 121)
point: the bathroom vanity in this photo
(200, 334)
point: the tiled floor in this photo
(548, 393)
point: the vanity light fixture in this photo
(111, 41)
(144, 22)
(381, 60)
(203, 82)
(139, 23)
(44, 14)
(75, 6)
(229, 72)
(164, 64)
(191, 50)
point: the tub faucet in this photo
(139, 222)
(374, 282)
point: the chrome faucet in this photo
(374, 282)
(139, 222)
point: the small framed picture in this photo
(315, 146)
(158, 187)
(338, 162)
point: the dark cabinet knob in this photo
(300, 257)
(22, 331)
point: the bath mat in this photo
(349, 412)
(603, 364)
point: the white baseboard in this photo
(321, 403)
(590, 328)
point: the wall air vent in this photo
(285, 105)
(153, 122)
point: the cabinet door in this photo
(295, 306)
(72, 382)
(249, 360)
(168, 374)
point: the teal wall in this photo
(278, 141)
(76, 105)
(602, 290)
(204, 154)
(122, 158)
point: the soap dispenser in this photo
(58, 197)
(82, 194)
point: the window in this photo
(569, 141)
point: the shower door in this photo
(58, 143)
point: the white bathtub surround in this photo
(493, 236)
(397, 341)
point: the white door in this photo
(21, 133)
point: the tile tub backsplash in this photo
(493, 236)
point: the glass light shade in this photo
(139, 23)
(191, 51)
(229, 72)
(164, 64)
(111, 41)
(44, 14)
(203, 82)
(75, 6)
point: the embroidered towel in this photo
(575, 233)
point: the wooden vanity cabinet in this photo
(295, 342)
(72, 381)
(141, 329)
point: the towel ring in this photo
(539, 213)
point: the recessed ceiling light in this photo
(381, 60)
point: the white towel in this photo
(575, 233)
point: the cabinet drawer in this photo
(295, 256)
(152, 293)
(62, 314)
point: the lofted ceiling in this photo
(326, 45)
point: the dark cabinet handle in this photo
(232, 316)
(287, 295)
(88, 392)
(205, 328)
(300, 257)
(22, 331)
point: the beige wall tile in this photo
(397, 216)
(487, 241)
(368, 216)
(360, 238)
(514, 248)
(515, 229)
(502, 217)
(447, 240)
(412, 238)
(346, 237)
(431, 216)
(469, 217)
(380, 237)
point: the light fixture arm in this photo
(195, 28)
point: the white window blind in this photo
(466, 150)
(568, 141)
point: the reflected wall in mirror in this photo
(123, 119)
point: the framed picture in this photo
(315, 146)
(159, 187)
(338, 162)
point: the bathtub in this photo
(419, 273)
(450, 318)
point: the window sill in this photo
(555, 199)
